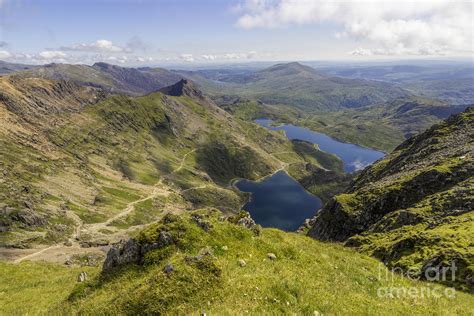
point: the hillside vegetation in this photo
(413, 209)
(448, 81)
(130, 198)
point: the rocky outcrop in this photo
(133, 251)
(36, 100)
(244, 219)
(30, 218)
(182, 87)
(125, 252)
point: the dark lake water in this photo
(354, 157)
(279, 201)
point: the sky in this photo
(146, 32)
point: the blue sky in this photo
(211, 31)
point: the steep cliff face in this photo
(413, 209)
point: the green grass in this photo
(86, 215)
(144, 212)
(312, 154)
(212, 196)
(36, 288)
(307, 276)
(381, 126)
(122, 194)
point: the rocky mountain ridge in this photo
(110, 78)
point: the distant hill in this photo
(300, 86)
(414, 208)
(112, 78)
(7, 68)
(449, 81)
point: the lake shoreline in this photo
(280, 124)
(353, 156)
(278, 200)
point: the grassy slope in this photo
(35, 288)
(307, 276)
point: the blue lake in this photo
(279, 201)
(354, 157)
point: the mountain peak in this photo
(104, 66)
(292, 68)
(182, 87)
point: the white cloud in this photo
(209, 57)
(421, 27)
(4, 54)
(229, 56)
(189, 58)
(97, 46)
(52, 54)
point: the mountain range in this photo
(111, 78)
(300, 86)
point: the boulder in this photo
(271, 256)
(82, 277)
(168, 268)
(123, 253)
(29, 218)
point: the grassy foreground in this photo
(209, 276)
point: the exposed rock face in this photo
(417, 201)
(182, 87)
(168, 268)
(82, 277)
(133, 251)
(201, 222)
(30, 218)
(243, 219)
(123, 253)
(37, 99)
